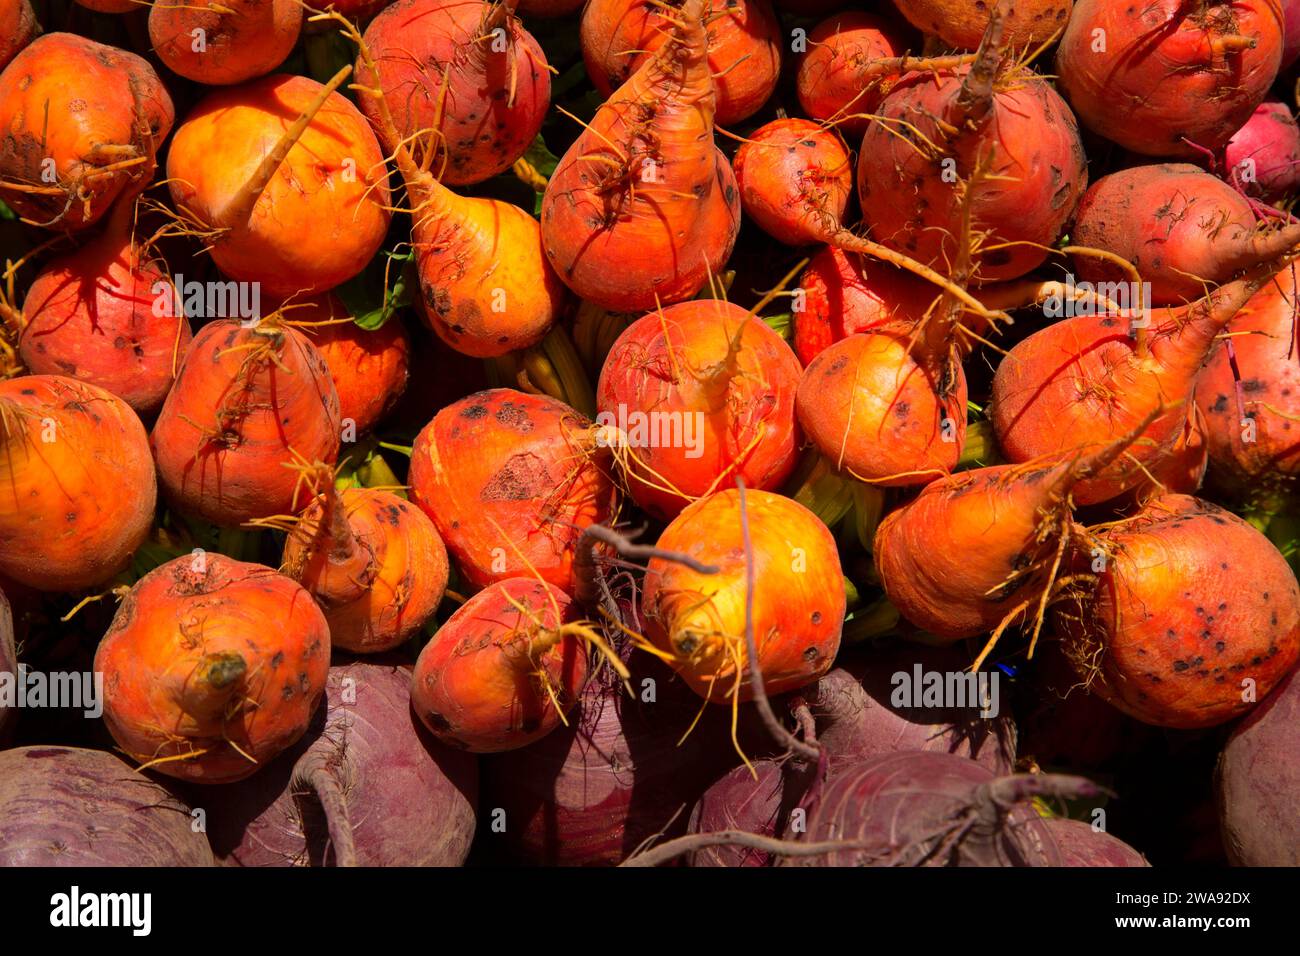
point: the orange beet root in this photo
(643, 207)
(372, 560)
(1085, 379)
(465, 76)
(285, 179)
(1194, 619)
(961, 23)
(879, 409)
(993, 129)
(486, 287)
(212, 667)
(697, 621)
(831, 81)
(697, 394)
(1158, 57)
(978, 551)
(241, 38)
(77, 486)
(510, 481)
(108, 113)
(369, 367)
(1260, 437)
(247, 403)
(17, 28)
(501, 671)
(795, 179)
(744, 43)
(845, 293)
(107, 314)
(1183, 230)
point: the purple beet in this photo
(367, 786)
(590, 793)
(740, 802)
(857, 713)
(934, 809)
(1081, 845)
(1258, 782)
(64, 806)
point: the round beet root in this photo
(367, 786)
(933, 809)
(1081, 845)
(64, 806)
(1257, 779)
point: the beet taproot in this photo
(744, 47)
(643, 208)
(503, 670)
(108, 114)
(248, 401)
(697, 620)
(372, 560)
(284, 179)
(1129, 70)
(465, 79)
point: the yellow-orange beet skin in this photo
(214, 661)
(878, 414)
(242, 38)
(382, 581)
(1194, 619)
(106, 107)
(77, 486)
(710, 371)
(699, 619)
(642, 207)
(322, 216)
(477, 684)
(247, 402)
(510, 480)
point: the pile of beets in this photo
(698, 432)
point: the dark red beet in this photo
(1257, 780)
(64, 806)
(856, 717)
(1081, 845)
(591, 793)
(365, 772)
(932, 809)
(738, 801)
